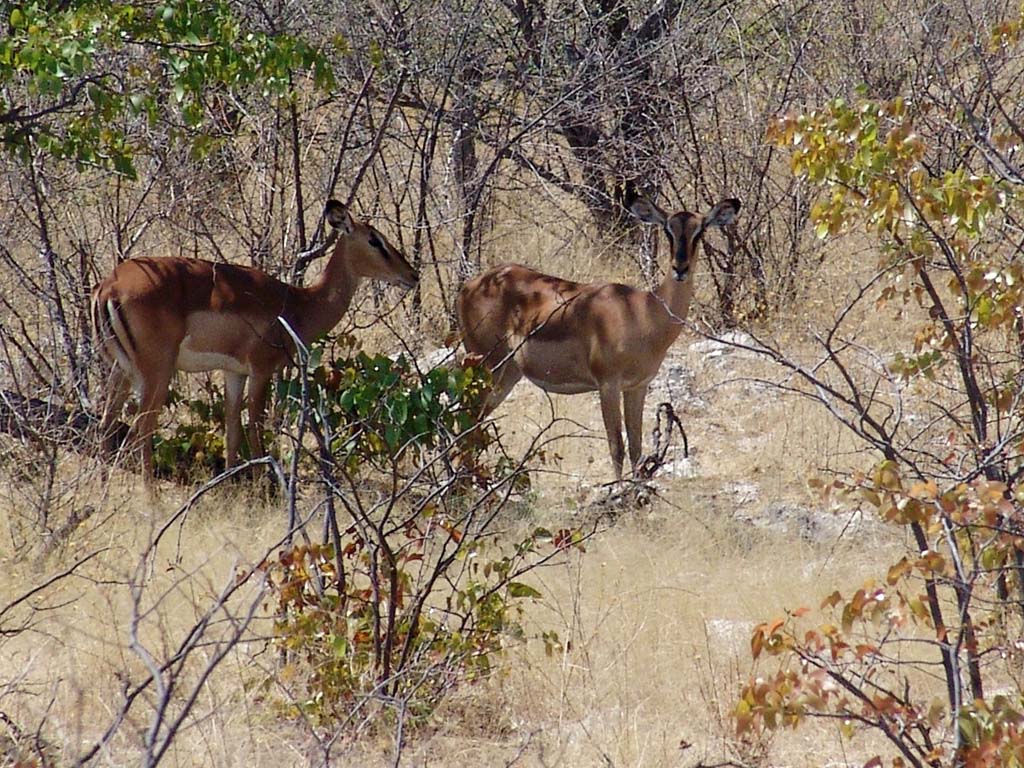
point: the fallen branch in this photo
(653, 462)
(35, 418)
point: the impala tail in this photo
(110, 333)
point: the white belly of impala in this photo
(197, 360)
(562, 387)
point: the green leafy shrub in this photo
(196, 444)
(377, 409)
(57, 65)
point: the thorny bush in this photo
(352, 634)
(929, 654)
(413, 593)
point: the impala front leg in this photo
(633, 406)
(258, 388)
(505, 378)
(234, 386)
(611, 412)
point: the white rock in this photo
(684, 467)
(438, 357)
(729, 633)
(742, 493)
(723, 347)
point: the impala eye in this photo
(376, 243)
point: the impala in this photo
(153, 316)
(569, 338)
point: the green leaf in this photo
(339, 644)
(315, 356)
(347, 399)
(123, 165)
(518, 589)
(400, 410)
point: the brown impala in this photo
(154, 316)
(569, 338)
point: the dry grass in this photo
(655, 618)
(659, 617)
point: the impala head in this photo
(369, 252)
(685, 229)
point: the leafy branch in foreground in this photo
(413, 588)
(926, 655)
(335, 629)
(376, 408)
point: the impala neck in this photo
(675, 296)
(326, 301)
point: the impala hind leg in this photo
(611, 412)
(633, 409)
(154, 396)
(118, 388)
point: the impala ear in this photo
(339, 217)
(723, 213)
(647, 211)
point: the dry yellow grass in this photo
(655, 617)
